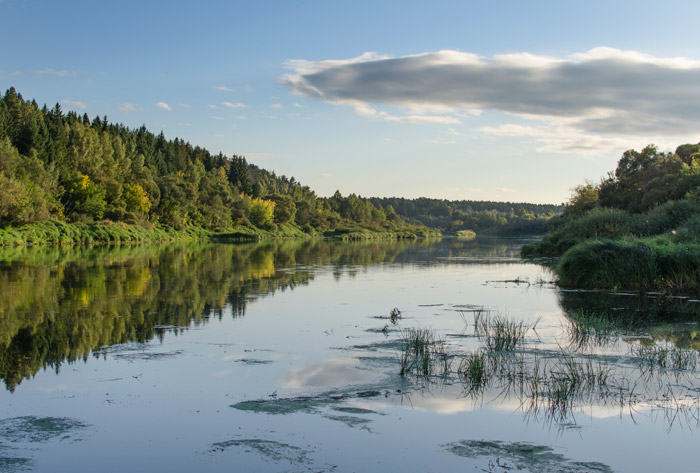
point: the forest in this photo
(638, 228)
(479, 216)
(62, 172)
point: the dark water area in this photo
(287, 355)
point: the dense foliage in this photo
(478, 216)
(638, 228)
(57, 166)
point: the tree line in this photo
(479, 216)
(641, 181)
(58, 166)
(68, 167)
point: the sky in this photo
(501, 100)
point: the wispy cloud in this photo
(216, 117)
(234, 105)
(276, 105)
(184, 124)
(506, 190)
(581, 97)
(212, 106)
(129, 107)
(557, 138)
(422, 119)
(164, 106)
(54, 72)
(183, 105)
(74, 103)
(9, 74)
(223, 88)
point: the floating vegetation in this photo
(15, 464)
(39, 429)
(309, 404)
(509, 456)
(267, 449)
(394, 316)
(19, 431)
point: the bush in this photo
(608, 264)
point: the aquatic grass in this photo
(652, 358)
(473, 369)
(503, 334)
(587, 330)
(423, 353)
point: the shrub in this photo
(608, 264)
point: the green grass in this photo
(423, 353)
(473, 369)
(61, 233)
(656, 263)
(499, 332)
(678, 221)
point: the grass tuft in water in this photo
(473, 369)
(423, 353)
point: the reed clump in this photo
(423, 353)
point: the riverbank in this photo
(658, 250)
(52, 233)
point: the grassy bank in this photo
(61, 233)
(658, 264)
(613, 249)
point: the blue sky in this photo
(509, 100)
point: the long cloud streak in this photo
(602, 91)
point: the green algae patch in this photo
(267, 449)
(523, 456)
(15, 464)
(40, 429)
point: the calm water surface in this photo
(282, 356)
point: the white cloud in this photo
(234, 105)
(129, 107)
(215, 117)
(213, 107)
(276, 105)
(184, 124)
(559, 138)
(164, 106)
(422, 119)
(603, 97)
(223, 88)
(326, 175)
(54, 72)
(184, 105)
(240, 117)
(9, 74)
(297, 105)
(74, 103)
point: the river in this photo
(295, 356)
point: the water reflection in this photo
(61, 304)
